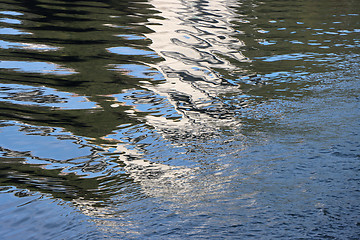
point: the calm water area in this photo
(179, 119)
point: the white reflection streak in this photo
(156, 179)
(187, 37)
(195, 50)
(194, 39)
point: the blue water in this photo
(179, 119)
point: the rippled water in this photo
(179, 119)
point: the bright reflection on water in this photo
(179, 119)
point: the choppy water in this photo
(179, 119)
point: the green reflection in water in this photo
(123, 56)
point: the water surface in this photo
(179, 119)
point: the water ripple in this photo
(36, 67)
(179, 119)
(26, 46)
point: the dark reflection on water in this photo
(179, 119)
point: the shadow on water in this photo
(149, 114)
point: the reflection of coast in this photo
(95, 177)
(141, 149)
(181, 99)
(42, 84)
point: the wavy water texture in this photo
(195, 39)
(179, 119)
